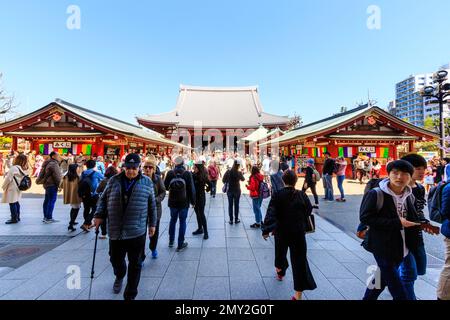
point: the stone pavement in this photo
(235, 263)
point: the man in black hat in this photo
(128, 202)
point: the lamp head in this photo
(427, 91)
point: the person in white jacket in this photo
(11, 192)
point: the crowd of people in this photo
(124, 199)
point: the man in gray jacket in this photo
(128, 202)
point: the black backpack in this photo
(85, 187)
(177, 188)
(25, 183)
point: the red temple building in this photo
(366, 130)
(64, 127)
(203, 115)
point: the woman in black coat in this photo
(201, 182)
(286, 218)
(233, 177)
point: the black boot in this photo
(13, 219)
(73, 217)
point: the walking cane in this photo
(93, 261)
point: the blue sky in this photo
(129, 57)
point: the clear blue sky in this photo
(129, 58)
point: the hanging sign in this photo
(62, 145)
(364, 149)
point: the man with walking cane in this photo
(128, 202)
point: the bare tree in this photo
(295, 122)
(7, 105)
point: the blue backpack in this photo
(435, 203)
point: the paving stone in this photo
(35, 287)
(244, 269)
(279, 290)
(235, 263)
(424, 290)
(147, 288)
(179, 281)
(212, 288)
(328, 265)
(325, 289)
(265, 258)
(65, 290)
(5, 270)
(331, 245)
(240, 254)
(237, 243)
(8, 285)
(251, 288)
(216, 223)
(235, 231)
(188, 254)
(344, 256)
(351, 289)
(216, 239)
(213, 263)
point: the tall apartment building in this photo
(409, 104)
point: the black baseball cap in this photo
(132, 160)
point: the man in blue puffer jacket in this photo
(443, 291)
(128, 202)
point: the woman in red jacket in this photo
(254, 183)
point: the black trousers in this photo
(200, 213)
(134, 249)
(313, 190)
(154, 239)
(296, 243)
(90, 206)
(213, 187)
(233, 199)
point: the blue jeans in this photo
(328, 183)
(340, 181)
(414, 264)
(14, 208)
(51, 194)
(389, 277)
(257, 202)
(175, 214)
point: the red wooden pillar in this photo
(32, 147)
(144, 148)
(101, 148)
(14, 144)
(393, 151)
(122, 151)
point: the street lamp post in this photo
(440, 92)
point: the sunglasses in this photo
(131, 168)
(148, 167)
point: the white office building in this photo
(409, 104)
